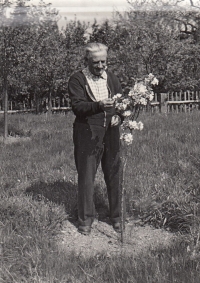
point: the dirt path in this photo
(104, 239)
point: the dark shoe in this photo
(85, 230)
(117, 227)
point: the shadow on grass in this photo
(65, 193)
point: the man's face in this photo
(97, 62)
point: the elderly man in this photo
(96, 134)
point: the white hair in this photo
(94, 47)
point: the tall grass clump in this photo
(38, 188)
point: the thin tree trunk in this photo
(5, 89)
(50, 102)
(37, 103)
(5, 111)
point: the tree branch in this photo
(192, 4)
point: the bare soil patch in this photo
(103, 239)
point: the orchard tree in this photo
(75, 38)
(150, 38)
(8, 32)
(15, 24)
(140, 45)
(48, 62)
(103, 33)
(38, 53)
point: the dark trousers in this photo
(94, 144)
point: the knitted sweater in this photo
(84, 104)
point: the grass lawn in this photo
(38, 184)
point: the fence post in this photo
(176, 99)
(193, 105)
(168, 99)
(197, 97)
(185, 98)
(162, 99)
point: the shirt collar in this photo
(87, 73)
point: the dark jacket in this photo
(84, 104)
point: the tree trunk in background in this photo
(37, 103)
(50, 102)
(5, 111)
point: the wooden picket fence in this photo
(58, 105)
(14, 107)
(176, 101)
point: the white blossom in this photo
(143, 101)
(126, 101)
(133, 125)
(154, 81)
(127, 113)
(140, 94)
(140, 88)
(121, 106)
(151, 96)
(140, 126)
(117, 96)
(127, 138)
(151, 76)
(131, 92)
(124, 106)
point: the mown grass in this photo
(38, 193)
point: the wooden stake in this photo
(122, 197)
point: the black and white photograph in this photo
(99, 141)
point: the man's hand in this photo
(115, 121)
(106, 103)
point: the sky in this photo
(87, 10)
